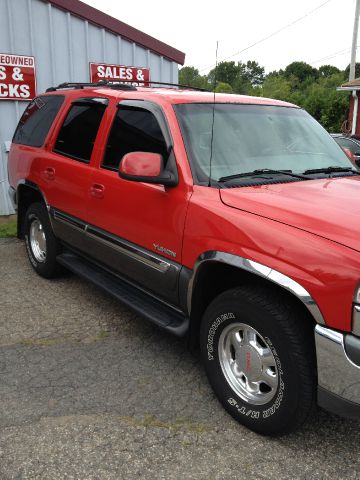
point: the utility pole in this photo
(354, 41)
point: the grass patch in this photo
(95, 338)
(8, 229)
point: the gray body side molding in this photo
(262, 271)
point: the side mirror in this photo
(145, 167)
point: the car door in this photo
(67, 168)
(137, 228)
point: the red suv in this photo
(234, 223)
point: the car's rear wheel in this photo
(41, 244)
(259, 357)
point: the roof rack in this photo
(124, 85)
(80, 85)
(187, 87)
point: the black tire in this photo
(47, 266)
(287, 334)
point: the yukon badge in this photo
(161, 249)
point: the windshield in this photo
(252, 137)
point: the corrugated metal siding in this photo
(63, 45)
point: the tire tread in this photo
(295, 324)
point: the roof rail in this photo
(124, 85)
(80, 85)
(187, 87)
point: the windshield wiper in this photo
(262, 171)
(331, 169)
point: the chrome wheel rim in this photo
(38, 240)
(248, 364)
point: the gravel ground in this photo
(88, 390)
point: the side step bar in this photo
(145, 305)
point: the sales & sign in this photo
(119, 73)
(17, 77)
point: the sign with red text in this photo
(119, 74)
(17, 77)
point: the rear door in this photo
(137, 228)
(66, 169)
(28, 144)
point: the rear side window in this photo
(78, 133)
(133, 130)
(37, 119)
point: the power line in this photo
(335, 54)
(332, 55)
(272, 34)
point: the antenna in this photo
(213, 113)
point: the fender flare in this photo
(260, 270)
(20, 211)
(34, 186)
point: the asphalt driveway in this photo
(88, 390)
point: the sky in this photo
(194, 27)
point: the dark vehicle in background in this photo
(350, 142)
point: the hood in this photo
(328, 207)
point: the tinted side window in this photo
(37, 119)
(133, 130)
(343, 142)
(77, 135)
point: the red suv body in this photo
(234, 223)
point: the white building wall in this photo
(63, 45)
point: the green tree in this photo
(226, 72)
(223, 87)
(276, 73)
(325, 103)
(328, 106)
(357, 71)
(276, 87)
(242, 85)
(301, 70)
(327, 70)
(254, 73)
(191, 76)
(241, 76)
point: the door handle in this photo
(49, 173)
(97, 190)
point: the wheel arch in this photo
(27, 193)
(216, 272)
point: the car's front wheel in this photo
(259, 358)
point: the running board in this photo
(145, 305)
